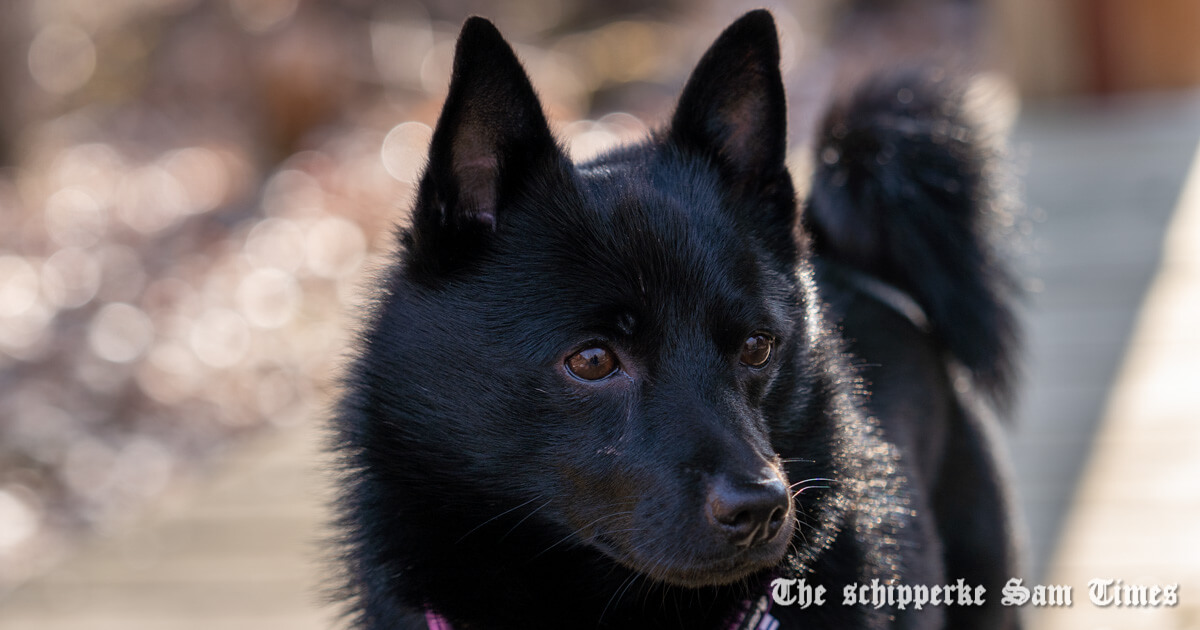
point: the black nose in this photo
(748, 513)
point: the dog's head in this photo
(597, 355)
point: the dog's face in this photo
(589, 355)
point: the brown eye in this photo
(592, 364)
(756, 351)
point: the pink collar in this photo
(755, 615)
(436, 621)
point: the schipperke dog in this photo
(648, 392)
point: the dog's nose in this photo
(748, 513)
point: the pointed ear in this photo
(490, 132)
(733, 108)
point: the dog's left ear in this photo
(733, 109)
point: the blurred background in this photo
(194, 193)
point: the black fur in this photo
(483, 481)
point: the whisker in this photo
(810, 480)
(525, 518)
(476, 528)
(576, 532)
(801, 490)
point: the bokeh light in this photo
(194, 196)
(269, 298)
(120, 333)
(18, 517)
(70, 278)
(19, 286)
(258, 16)
(62, 58)
(404, 150)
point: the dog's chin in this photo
(720, 568)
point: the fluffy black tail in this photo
(901, 191)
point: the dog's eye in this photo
(756, 350)
(592, 364)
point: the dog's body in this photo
(611, 395)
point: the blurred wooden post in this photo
(1097, 46)
(1142, 45)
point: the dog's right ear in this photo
(733, 110)
(490, 136)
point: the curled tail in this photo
(901, 192)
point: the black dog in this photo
(612, 395)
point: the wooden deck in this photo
(239, 549)
(1108, 447)
(1106, 450)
